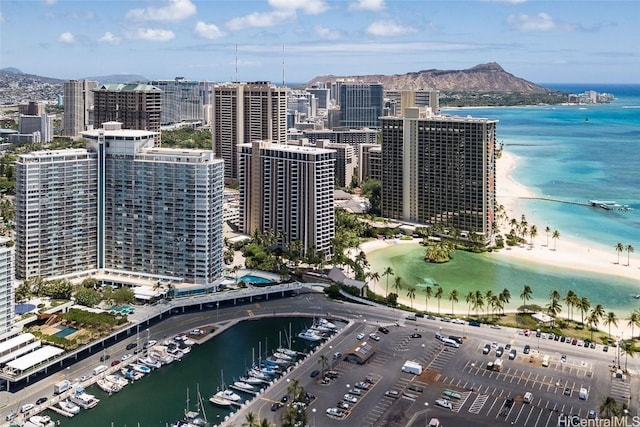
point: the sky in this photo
(557, 41)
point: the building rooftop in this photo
(129, 87)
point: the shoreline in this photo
(570, 252)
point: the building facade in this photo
(122, 204)
(56, 212)
(289, 190)
(182, 100)
(246, 112)
(397, 100)
(370, 162)
(346, 161)
(6, 286)
(136, 106)
(439, 170)
(361, 104)
(42, 123)
(78, 105)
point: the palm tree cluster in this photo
(621, 248)
(251, 420)
(494, 302)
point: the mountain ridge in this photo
(488, 77)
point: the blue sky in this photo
(542, 41)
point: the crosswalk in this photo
(620, 390)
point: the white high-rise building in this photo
(78, 104)
(6, 286)
(289, 190)
(182, 100)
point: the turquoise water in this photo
(255, 280)
(565, 156)
(65, 332)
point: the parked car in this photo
(415, 335)
(361, 385)
(499, 351)
(416, 388)
(419, 315)
(355, 391)
(360, 336)
(41, 400)
(512, 354)
(314, 373)
(349, 398)
(486, 349)
(392, 393)
(131, 346)
(605, 348)
(383, 330)
(474, 323)
(527, 349)
(374, 337)
(444, 403)
(335, 412)
(430, 317)
(451, 394)
(343, 405)
(567, 391)
(115, 362)
(126, 356)
(411, 317)
(563, 358)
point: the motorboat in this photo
(229, 395)
(69, 407)
(41, 421)
(143, 369)
(160, 353)
(325, 323)
(243, 386)
(219, 401)
(108, 386)
(150, 362)
(288, 352)
(283, 356)
(310, 335)
(84, 400)
(131, 374)
(251, 380)
(117, 379)
(258, 374)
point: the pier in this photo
(609, 205)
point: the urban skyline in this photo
(542, 41)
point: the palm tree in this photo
(453, 297)
(294, 389)
(597, 313)
(412, 295)
(397, 284)
(547, 231)
(555, 237)
(609, 408)
(553, 308)
(428, 293)
(504, 296)
(619, 249)
(374, 276)
(584, 306)
(438, 295)
(533, 232)
(610, 319)
(469, 298)
(387, 272)
(488, 296)
(568, 299)
(250, 420)
(634, 320)
(629, 250)
(478, 302)
(629, 349)
(323, 360)
(265, 423)
(526, 296)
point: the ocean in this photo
(567, 152)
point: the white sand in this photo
(569, 253)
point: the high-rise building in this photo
(346, 161)
(136, 106)
(439, 170)
(246, 112)
(42, 123)
(361, 104)
(182, 100)
(78, 105)
(56, 212)
(120, 205)
(370, 162)
(397, 100)
(289, 190)
(6, 285)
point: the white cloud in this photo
(266, 19)
(66, 38)
(109, 38)
(208, 31)
(173, 11)
(351, 48)
(373, 5)
(540, 22)
(152, 34)
(310, 7)
(327, 33)
(388, 28)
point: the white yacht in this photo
(243, 386)
(108, 386)
(150, 362)
(40, 421)
(84, 400)
(69, 407)
(288, 352)
(310, 335)
(117, 379)
(229, 395)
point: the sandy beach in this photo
(569, 253)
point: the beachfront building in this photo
(6, 285)
(289, 190)
(136, 106)
(78, 106)
(121, 205)
(439, 170)
(397, 100)
(246, 112)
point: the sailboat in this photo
(193, 418)
(225, 397)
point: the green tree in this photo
(610, 319)
(123, 295)
(547, 231)
(597, 313)
(525, 295)
(250, 420)
(609, 408)
(428, 293)
(438, 296)
(619, 249)
(453, 297)
(88, 297)
(569, 299)
(555, 236)
(478, 302)
(387, 272)
(553, 308)
(323, 360)
(583, 305)
(505, 297)
(633, 321)
(397, 284)
(629, 250)
(372, 189)
(411, 294)
(469, 299)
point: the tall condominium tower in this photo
(182, 100)
(246, 112)
(6, 285)
(289, 190)
(397, 100)
(439, 170)
(361, 104)
(136, 106)
(120, 205)
(78, 101)
(56, 212)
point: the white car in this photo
(349, 398)
(444, 403)
(360, 336)
(335, 412)
(150, 343)
(458, 321)
(126, 356)
(374, 337)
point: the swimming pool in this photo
(256, 280)
(63, 333)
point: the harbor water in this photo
(160, 397)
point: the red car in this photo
(115, 362)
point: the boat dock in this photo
(610, 205)
(60, 411)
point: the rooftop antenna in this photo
(282, 65)
(236, 79)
